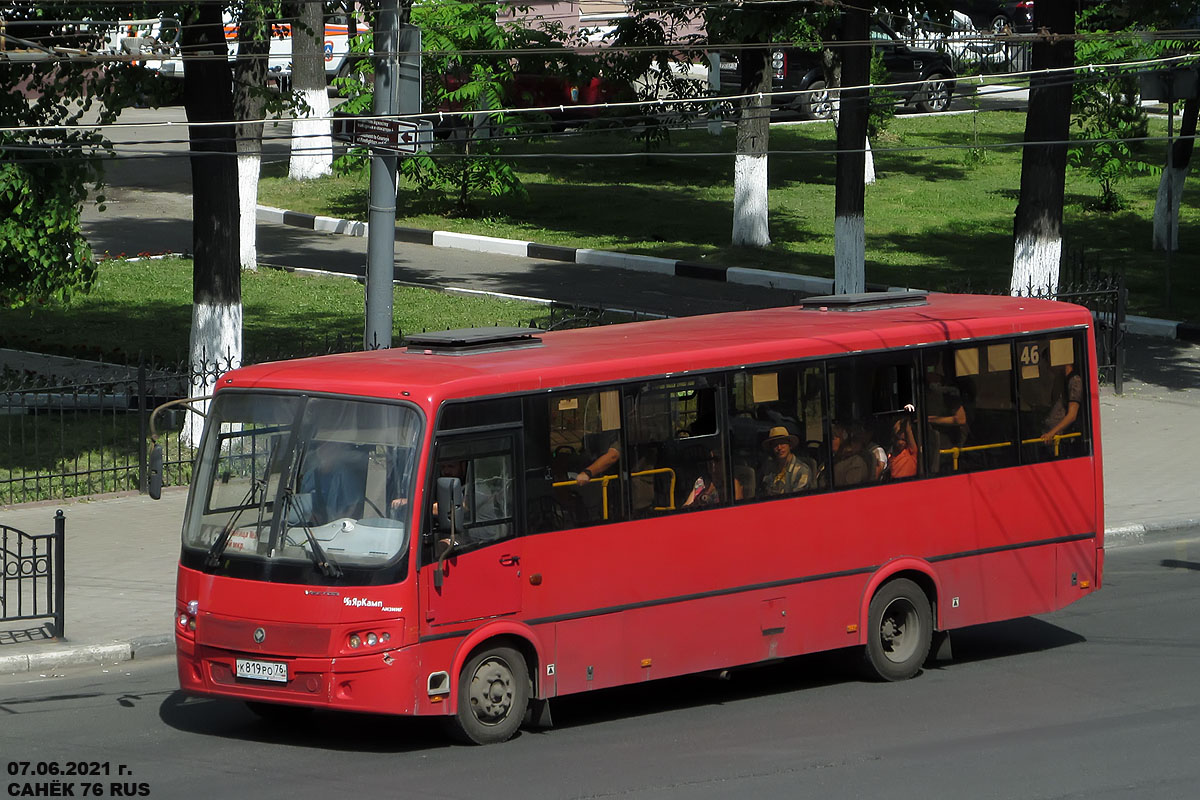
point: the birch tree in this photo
(849, 259)
(1170, 185)
(216, 334)
(312, 141)
(1037, 224)
(250, 106)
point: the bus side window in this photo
(1052, 391)
(873, 431)
(573, 460)
(678, 459)
(485, 467)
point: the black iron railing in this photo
(33, 576)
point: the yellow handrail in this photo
(604, 481)
(956, 451)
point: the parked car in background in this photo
(1015, 16)
(923, 77)
(959, 38)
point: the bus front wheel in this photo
(900, 631)
(493, 694)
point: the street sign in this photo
(400, 135)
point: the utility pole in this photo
(397, 91)
(381, 214)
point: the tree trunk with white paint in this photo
(849, 254)
(1037, 225)
(750, 199)
(833, 70)
(249, 105)
(312, 141)
(216, 338)
(1166, 214)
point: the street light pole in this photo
(381, 213)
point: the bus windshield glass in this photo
(320, 483)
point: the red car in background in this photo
(568, 103)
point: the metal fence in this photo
(33, 575)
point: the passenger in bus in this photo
(947, 415)
(705, 491)
(850, 465)
(877, 457)
(902, 462)
(605, 462)
(1065, 399)
(784, 473)
(331, 485)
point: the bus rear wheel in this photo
(493, 695)
(899, 632)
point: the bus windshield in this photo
(314, 481)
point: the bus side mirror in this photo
(450, 503)
(155, 478)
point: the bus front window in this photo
(310, 481)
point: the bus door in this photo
(480, 560)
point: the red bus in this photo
(491, 518)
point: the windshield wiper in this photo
(321, 561)
(213, 558)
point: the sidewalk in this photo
(121, 551)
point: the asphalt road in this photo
(1099, 700)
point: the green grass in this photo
(146, 307)
(940, 215)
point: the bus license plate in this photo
(262, 670)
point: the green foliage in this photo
(1106, 113)
(469, 81)
(48, 165)
(883, 101)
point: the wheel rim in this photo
(822, 105)
(492, 690)
(938, 97)
(899, 630)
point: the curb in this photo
(748, 276)
(549, 252)
(139, 647)
(1136, 533)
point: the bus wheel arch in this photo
(493, 683)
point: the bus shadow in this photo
(324, 730)
(1013, 637)
(979, 643)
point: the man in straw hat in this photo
(783, 473)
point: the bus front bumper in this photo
(382, 682)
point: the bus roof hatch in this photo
(465, 341)
(866, 301)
